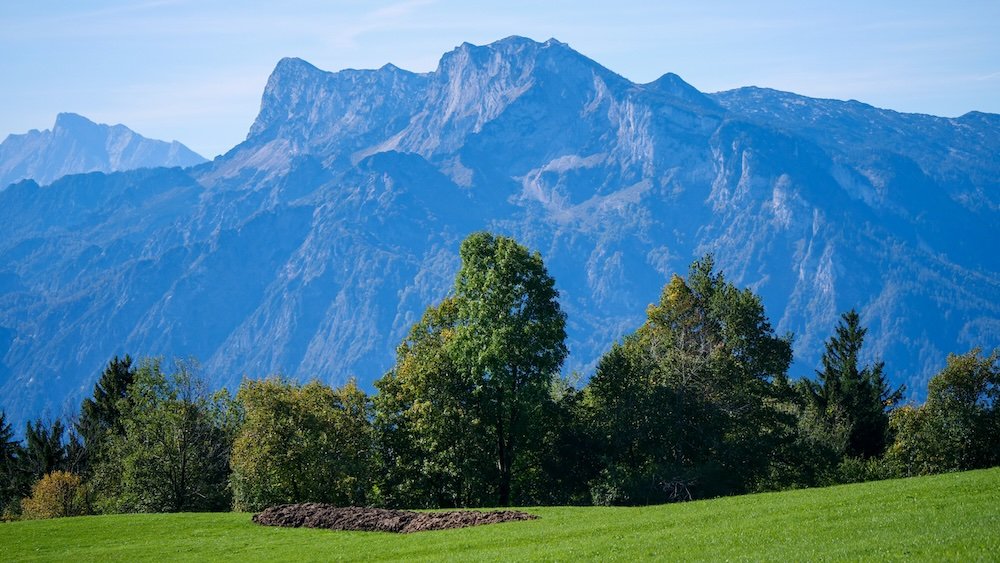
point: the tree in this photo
(958, 428)
(300, 443)
(470, 381)
(688, 404)
(56, 495)
(510, 337)
(433, 447)
(560, 460)
(44, 450)
(10, 452)
(857, 398)
(100, 415)
(173, 453)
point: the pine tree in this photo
(100, 415)
(10, 451)
(856, 397)
(44, 450)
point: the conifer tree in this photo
(100, 415)
(858, 397)
(10, 451)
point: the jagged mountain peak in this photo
(290, 70)
(675, 88)
(520, 53)
(310, 111)
(75, 144)
(73, 121)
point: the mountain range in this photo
(311, 248)
(76, 145)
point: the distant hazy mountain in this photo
(76, 145)
(311, 247)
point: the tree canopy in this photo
(855, 397)
(470, 379)
(687, 404)
(301, 443)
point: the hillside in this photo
(310, 248)
(943, 517)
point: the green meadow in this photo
(943, 517)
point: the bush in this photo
(55, 495)
(858, 470)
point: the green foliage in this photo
(44, 451)
(510, 338)
(56, 495)
(458, 411)
(560, 460)
(100, 415)
(300, 443)
(958, 427)
(433, 446)
(941, 518)
(853, 398)
(173, 452)
(10, 452)
(859, 470)
(689, 404)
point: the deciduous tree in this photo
(470, 381)
(301, 443)
(688, 404)
(173, 453)
(56, 495)
(958, 428)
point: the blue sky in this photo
(194, 70)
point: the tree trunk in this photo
(503, 463)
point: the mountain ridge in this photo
(77, 145)
(311, 247)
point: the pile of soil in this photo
(316, 515)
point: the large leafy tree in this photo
(433, 446)
(470, 380)
(854, 397)
(172, 454)
(301, 443)
(510, 338)
(958, 428)
(687, 405)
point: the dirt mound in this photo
(316, 515)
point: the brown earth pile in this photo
(316, 515)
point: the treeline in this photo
(695, 403)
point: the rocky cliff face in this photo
(311, 248)
(76, 145)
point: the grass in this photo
(943, 517)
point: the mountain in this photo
(75, 145)
(310, 248)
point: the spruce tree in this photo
(857, 397)
(10, 451)
(44, 450)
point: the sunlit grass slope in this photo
(945, 517)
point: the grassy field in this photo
(945, 517)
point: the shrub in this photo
(55, 495)
(859, 470)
